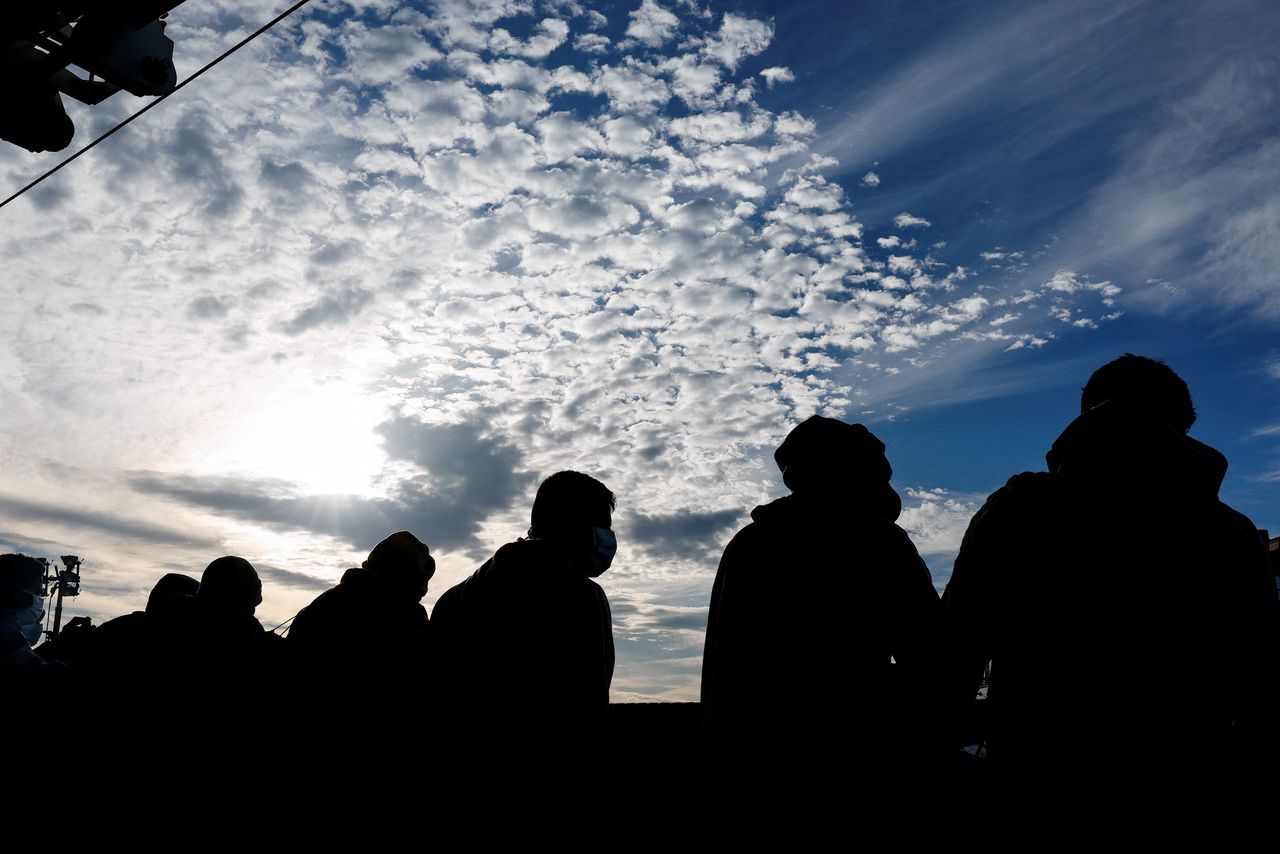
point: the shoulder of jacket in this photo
(747, 535)
(1025, 492)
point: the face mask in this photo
(30, 619)
(606, 546)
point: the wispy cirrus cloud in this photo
(1175, 197)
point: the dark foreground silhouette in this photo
(531, 624)
(1127, 616)
(785, 682)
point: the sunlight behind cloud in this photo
(319, 438)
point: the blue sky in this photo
(394, 263)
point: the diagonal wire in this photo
(277, 19)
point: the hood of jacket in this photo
(1120, 447)
(878, 501)
(365, 584)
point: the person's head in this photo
(823, 454)
(171, 586)
(825, 457)
(1143, 383)
(21, 579)
(576, 511)
(404, 562)
(230, 584)
(20, 574)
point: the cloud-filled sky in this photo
(395, 262)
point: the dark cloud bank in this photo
(465, 476)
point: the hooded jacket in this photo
(813, 604)
(1128, 615)
(526, 629)
(359, 626)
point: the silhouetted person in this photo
(73, 643)
(1127, 613)
(523, 649)
(228, 641)
(373, 618)
(21, 616)
(233, 672)
(813, 603)
(172, 594)
(230, 585)
(33, 692)
(142, 644)
(138, 695)
(359, 654)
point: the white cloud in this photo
(738, 38)
(384, 53)
(903, 264)
(971, 307)
(906, 220)
(651, 24)
(581, 216)
(720, 127)
(1064, 281)
(631, 88)
(551, 33)
(697, 83)
(815, 192)
(889, 242)
(627, 137)
(871, 179)
(777, 74)
(1027, 341)
(592, 43)
(563, 136)
(794, 124)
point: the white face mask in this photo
(30, 620)
(606, 546)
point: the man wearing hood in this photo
(359, 654)
(372, 625)
(1128, 615)
(529, 634)
(789, 680)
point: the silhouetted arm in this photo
(1254, 665)
(964, 637)
(731, 632)
(917, 604)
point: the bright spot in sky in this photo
(320, 439)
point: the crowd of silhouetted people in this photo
(1118, 621)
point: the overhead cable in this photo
(277, 19)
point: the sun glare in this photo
(321, 440)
